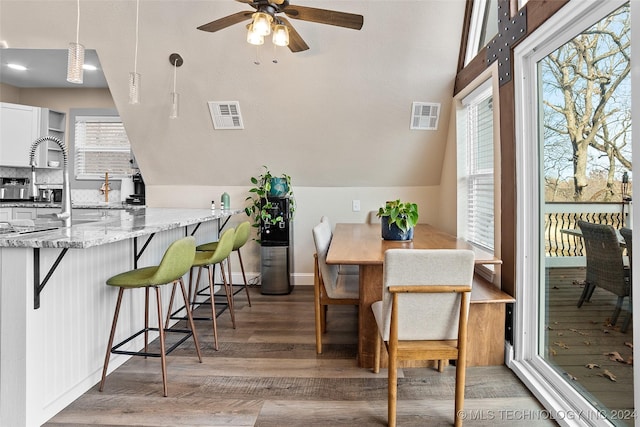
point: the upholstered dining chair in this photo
(342, 268)
(605, 265)
(423, 313)
(330, 287)
(627, 235)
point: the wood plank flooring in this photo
(577, 337)
(267, 373)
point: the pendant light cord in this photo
(135, 55)
(78, 25)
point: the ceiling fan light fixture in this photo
(262, 23)
(280, 35)
(253, 37)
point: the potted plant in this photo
(398, 220)
(262, 208)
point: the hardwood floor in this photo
(267, 373)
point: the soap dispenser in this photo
(226, 203)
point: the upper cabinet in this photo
(20, 126)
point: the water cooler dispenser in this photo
(276, 252)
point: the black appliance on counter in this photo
(276, 251)
(137, 198)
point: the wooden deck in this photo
(580, 338)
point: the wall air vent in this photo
(424, 115)
(226, 114)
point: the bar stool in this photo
(242, 235)
(208, 260)
(176, 261)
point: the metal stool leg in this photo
(111, 336)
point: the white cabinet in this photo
(6, 214)
(19, 127)
(24, 213)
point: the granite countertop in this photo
(32, 204)
(100, 227)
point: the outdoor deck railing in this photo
(563, 216)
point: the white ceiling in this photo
(47, 68)
(336, 115)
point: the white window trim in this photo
(544, 382)
(490, 78)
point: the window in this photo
(101, 145)
(483, 27)
(475, 169)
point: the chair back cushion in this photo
(176, 261)
(322, 238)
(605, 267)
(426, 316)
(242, 235)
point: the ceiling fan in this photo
(265, 18)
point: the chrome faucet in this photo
(65, 212)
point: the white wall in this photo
(312, 202)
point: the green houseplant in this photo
(266, 187)
(398, 219)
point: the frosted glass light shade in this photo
(75, 61)
(262, 23)
(253, 37)
(134, 88)
(175, 99)
(280, 35)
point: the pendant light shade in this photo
(134, 88)
(262, 23)
(75, 60)
(280, 35)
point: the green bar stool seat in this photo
(177, 260)
(208, 260)
(242, 236)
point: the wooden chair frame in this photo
(322, 301)
(425, 350)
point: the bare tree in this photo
(587, 99)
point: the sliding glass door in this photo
(574, 163)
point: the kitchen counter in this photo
(53, 338)
(95, 228)
(32, 204)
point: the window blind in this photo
(479, 172)
(101, 145)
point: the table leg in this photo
(370, 292)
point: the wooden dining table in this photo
(362, 245)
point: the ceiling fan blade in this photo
(225, 22)
(324, 16)
(296, 44)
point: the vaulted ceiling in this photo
(335, 115)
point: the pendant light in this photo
(75, 59)
(175, 60)
(134, 77)
(262, 23)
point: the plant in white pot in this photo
(398, 220)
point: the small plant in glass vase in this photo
(398, 220)
(262, 209)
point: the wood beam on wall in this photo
(537, 12)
